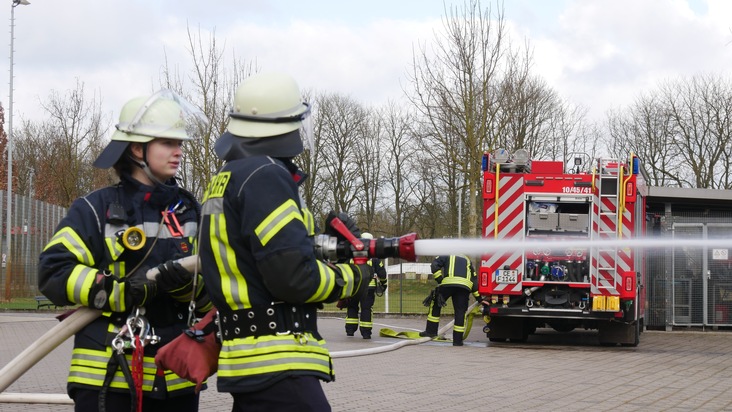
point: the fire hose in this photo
(59, 333)
(397, 345)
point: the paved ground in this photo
(668, 371)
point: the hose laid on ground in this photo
(397, 345)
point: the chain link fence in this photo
(32, 223)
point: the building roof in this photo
(690, 196)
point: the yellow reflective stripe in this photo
(457, 281)
(89, 367)
(348, 278)
(272, 354)
(309, 220)
(327, 282)
(116, 298)
(276, 220)
(73, 243)
(233, 285)
(437, 274)
(79, 283)
(114, 247)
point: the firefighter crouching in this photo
(456, 279)
(257, 245)
(377, 286)
(101, 250)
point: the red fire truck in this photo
(564, 265)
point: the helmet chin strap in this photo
(145, 168)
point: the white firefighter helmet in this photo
(142, 119)
(366, 235)
(266, 118)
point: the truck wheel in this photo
(497, 339)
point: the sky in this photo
(599, 54)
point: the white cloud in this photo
(599, 53)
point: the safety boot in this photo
(430, 330)
(457, 338)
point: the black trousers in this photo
(294, 394)
(460, 302)
(86, 400)
(362, 317)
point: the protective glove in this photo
(383, 286)
(173, 277)
(119, 295)
(140, 289)
(353, 281)
(347, 220)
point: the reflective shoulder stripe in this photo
(271, 225)
(73, 243)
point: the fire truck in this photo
(564, 265)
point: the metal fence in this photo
(32, 224)
(690, 286)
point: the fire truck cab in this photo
(564, 265)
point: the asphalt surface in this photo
(668, 371)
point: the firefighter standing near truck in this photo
(257, 244)
(362, 320)
(456, 279)
(101, 250)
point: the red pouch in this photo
(194, 355)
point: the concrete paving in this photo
(668, 371)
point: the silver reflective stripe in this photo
(213, 206)
(84, 273)
(309, 358)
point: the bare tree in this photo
(400, 163)
(457, 91)
(210, 85)
(683, 130)
(60, 150)
(340, 123)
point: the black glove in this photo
(134, 290)
(140, 289)
(173, 277)
(350, 224)
(428, 300)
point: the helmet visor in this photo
(193, 119)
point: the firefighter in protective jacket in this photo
(101, 250)
(377, 286)
(257, 247)
(456, 279)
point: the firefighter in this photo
(257, 244)
(101, 250)
(456, 279)
(377, 286)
